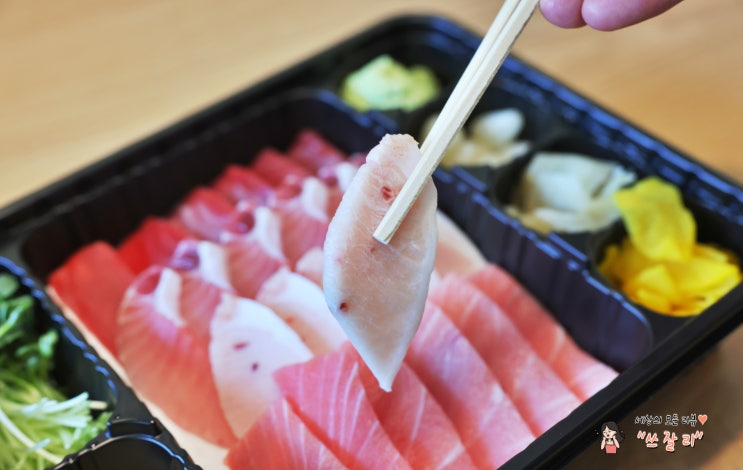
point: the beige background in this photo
(80, 79)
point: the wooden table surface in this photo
(81, 79)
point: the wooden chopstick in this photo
(497, 42)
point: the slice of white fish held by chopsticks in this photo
(377, 292)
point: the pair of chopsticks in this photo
(495, 45)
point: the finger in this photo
(608, 15)
(563, 13)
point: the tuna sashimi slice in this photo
(339, 175)
(377, 292)
(301, 304)
(204, 259)
(328, 395)
(94, 298)
(276, 168)
(248, 344)
(338, 178)
(199, 300)
(205, 212)
(152, 243)
(304, 220)
(254, 251)
(243, 184)
(280, 440)
(415, 422)
(163, 360)
(202, 268)
(455, 252)
(581, 372)
(488, 423)
(313, 151)
(310, 265)
(540, 396)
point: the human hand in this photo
(605, 15)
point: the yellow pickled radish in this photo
(657, 222)
(659, 264)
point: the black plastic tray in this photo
(131, 429)
(108, 200)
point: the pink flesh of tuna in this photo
(337, 177)
(538, 393)
(163, 359)
(581, 372)
(255, 254)
(313, 151)
(95, 299)
(328, 395)
(243, 184)
(204, 212)
(377, 292)
(455, 252)
(415, 422)
(280, 440)
(488, 423)
(276, 168)
(248, 344)
(152, 243)
(304, 219)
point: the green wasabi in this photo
(385, 84)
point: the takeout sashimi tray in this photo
(109, 199)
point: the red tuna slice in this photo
(328, 395)
(455, 252)
(280, 440)
(205, 212)
(254, 251)
(581, 372)
(93, 297)
(377, 292)
(243, 184)
(276, 168)
(301, 304)
(152, 243)
(164, 361)
(415, 422)
(313, 151)
(304, 220)
(310, 265)
(540, 396)
(248, 343)
(488, 423)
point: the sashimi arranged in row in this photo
(223, 302)
(471, 393)
(213, 286)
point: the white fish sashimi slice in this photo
(377, 292)
(248, 343)
(301, 304)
